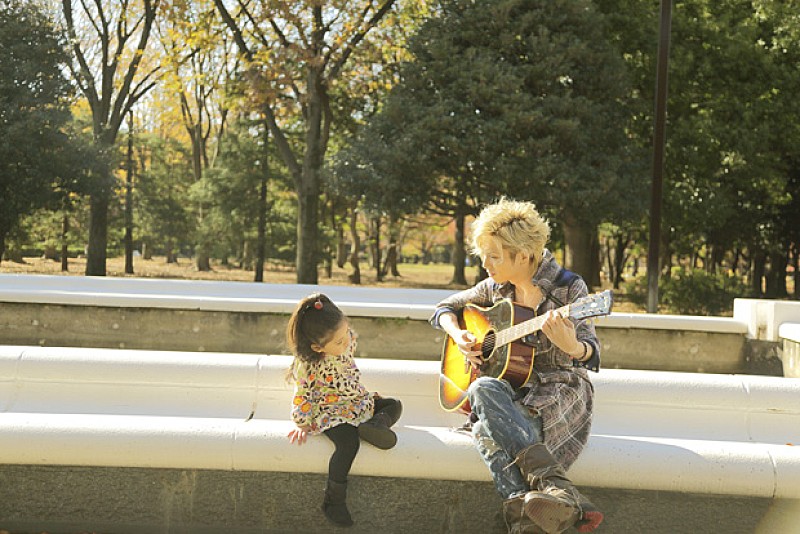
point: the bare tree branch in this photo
(123, 103)
(358, 37)
(89, 89)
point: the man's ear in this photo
(316, 347)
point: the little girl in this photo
(329, 397)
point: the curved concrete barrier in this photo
(719, 434)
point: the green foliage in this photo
(521, 98)
(697, 292)
(694, 292)
(162, 207)
(733, 119)
(34, 150)
(229, 195)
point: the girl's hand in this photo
(468, 344)
(299, 434)
(561, 332)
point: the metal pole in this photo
(129, 200)
(659, 138)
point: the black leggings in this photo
(345, 439)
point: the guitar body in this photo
(512, 362)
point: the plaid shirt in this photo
(559, 387)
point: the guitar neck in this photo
(525, 328)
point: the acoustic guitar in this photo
(497, 330)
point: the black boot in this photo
(553, 503)
(377, 432)
(335, 506)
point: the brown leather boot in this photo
(517, 521)
(553, 502)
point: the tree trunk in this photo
(328, 213)
(171, 257)
(796, 265)
(616, 258)
(50, 253)
(758, 270)
(375, 239)
(308, 190)
(594, 279)
(261, 244)
(64, 247)
(341, 247)
(98, 233)
(355, 276)
(390, 265)
(263, 207)
(578, 237)
(459, 252)
(776, 276)
(2, 244)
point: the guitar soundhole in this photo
(487, 347)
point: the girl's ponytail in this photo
(313, 321)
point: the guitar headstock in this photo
(592, 305)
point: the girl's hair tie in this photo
(317, 304)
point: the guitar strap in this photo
(566, 278)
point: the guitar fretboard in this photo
(524, 328)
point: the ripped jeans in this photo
(504, 428)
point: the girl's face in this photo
(338, 342)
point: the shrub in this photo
(697, 292)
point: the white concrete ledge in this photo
(415, 304)
(692, 323)
(764, 318)
(213, 296)
(790, 331)
(717, 434)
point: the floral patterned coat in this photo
(329, 392)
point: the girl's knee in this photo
(395, 410)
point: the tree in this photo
(162, 195)
(108, 40)
(239, 193)
(732, 131)
(35, 152)
(519, 98)
(201, 68)
(296, 53)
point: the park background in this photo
(353, 141)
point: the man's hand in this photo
(561, 332)
(468, 344)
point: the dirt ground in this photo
(412, 275)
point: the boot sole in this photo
(589, 522)
(383, 438)
(550, 514)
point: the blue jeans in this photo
(504, 428)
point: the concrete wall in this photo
(58, 500)
(260, 333)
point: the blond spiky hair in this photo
(516, 225)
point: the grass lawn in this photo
(412, 275)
